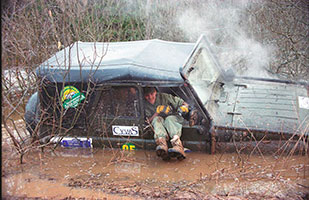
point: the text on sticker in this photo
(125, 130)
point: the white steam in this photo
(223, 24)
(228, 24)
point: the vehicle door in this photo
(118, 112)
(203, 73)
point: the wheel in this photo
(32, 113)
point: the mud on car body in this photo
(94, 92)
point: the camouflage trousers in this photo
(168, 127)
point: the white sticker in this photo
(303, 102)
(125, 130)
(81, 142)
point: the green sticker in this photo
(128, 147)
(71, 97)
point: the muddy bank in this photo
(116, 174)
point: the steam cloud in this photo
(222, 23)
(226, 25)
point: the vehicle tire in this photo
(32, 113)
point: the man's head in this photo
(150, 94)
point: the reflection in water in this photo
(95, 172)
(127, 167)
(71, 152)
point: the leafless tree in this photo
(284, 26)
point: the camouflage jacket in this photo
(163, 99)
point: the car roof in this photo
(147, 62)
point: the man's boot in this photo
(162, 148)
(177, 151)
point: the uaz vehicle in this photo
(93, 92)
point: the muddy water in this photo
(116, 174)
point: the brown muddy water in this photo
(117, 174)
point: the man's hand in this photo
(163, 111)
(183, 110)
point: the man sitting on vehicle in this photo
(162, 111)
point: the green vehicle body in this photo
(106, 81)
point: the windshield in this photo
(203, 69)
(202, 74)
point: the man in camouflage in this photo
(167, 124)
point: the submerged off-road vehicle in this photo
(91, 94)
